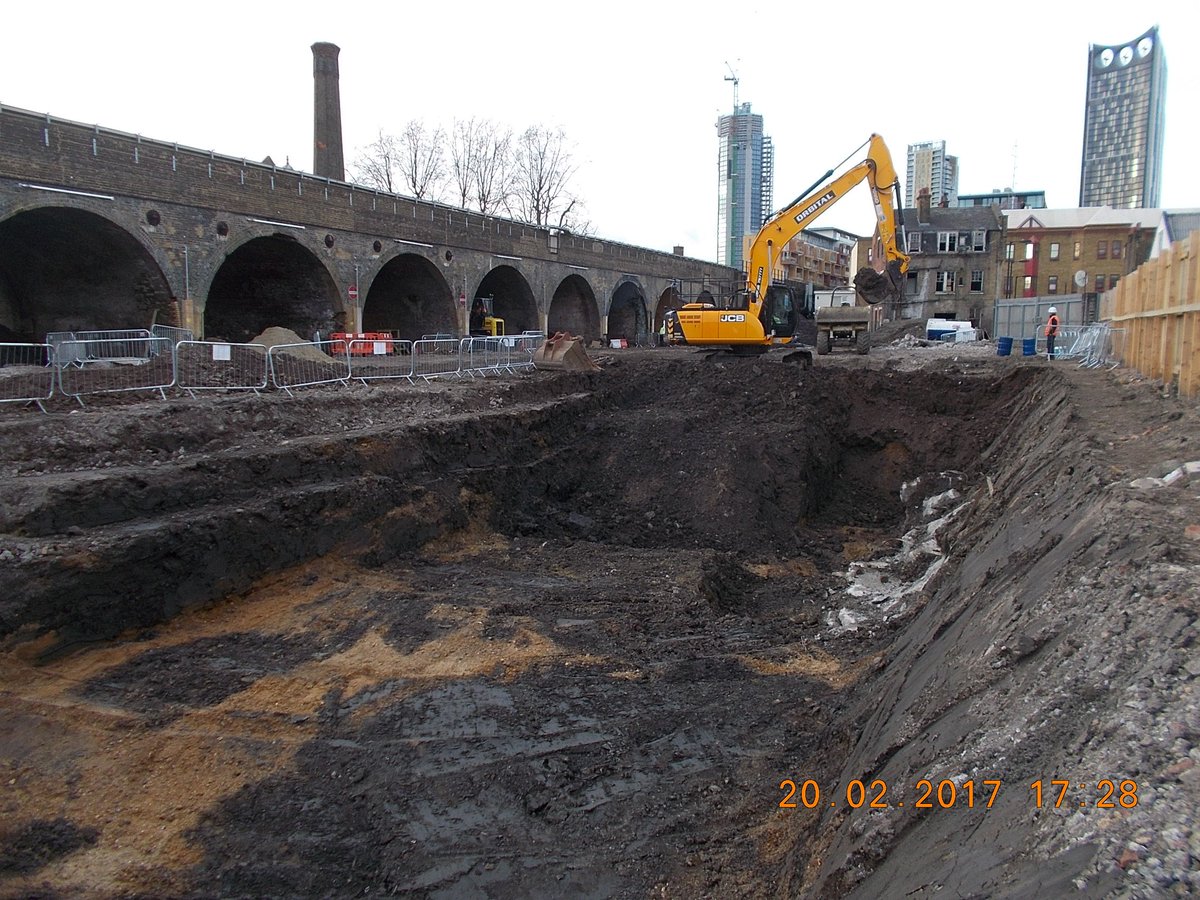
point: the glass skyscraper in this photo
(745, 188)
(1123, 124)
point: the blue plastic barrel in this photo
(1003, 346)
(1029, 346)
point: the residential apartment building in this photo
(745, 182)
(1005, 199)
(1074, 251)
(954, 267)
(1123, 124)
(929, 168)
(820, 257)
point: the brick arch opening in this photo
(627, 313)
(67, 269)
(410, 297)
(573, 309)
(668, 299)
(272, 281)
(512, 299)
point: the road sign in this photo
(353, 292)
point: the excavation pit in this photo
(568, 635)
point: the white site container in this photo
(935, 328)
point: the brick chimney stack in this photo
(923, 206)
(327, 114)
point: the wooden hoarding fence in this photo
(1159, 307)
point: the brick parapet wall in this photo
(75, 156)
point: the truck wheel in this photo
(822, 342)
(862, 343)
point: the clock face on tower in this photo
(1106, 57)
(1145, 45)
(1125, 55)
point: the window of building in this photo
(1099, 283)
(977, 281)
(1078, 252)
(979, 240)
(1112, 281)
(945, 282)
(947, 242)
(1116, 250)
(1054, 251)
(1052, 284)
(1028, 284)
(1102, 250)
(1008, 251)
(1030, 247)
(913, 242)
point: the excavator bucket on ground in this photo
(563, 351)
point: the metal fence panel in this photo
(483, 355)
(377, 359)
(446, 343)
(123, 343)
(524, 345)
(1098, 345)
(26, 373)
(58, 341)
(218, 366)
(435, 358)
(308, 364)
(173, 334)
(115, 364)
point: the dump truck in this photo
(849, 322)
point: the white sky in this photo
(636, 86)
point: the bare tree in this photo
(493, 169)
(464, 150)
(421, 160)
(543, 171)
(379, 164)
(488, 170)
(481, 164)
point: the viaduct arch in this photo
(102, 229)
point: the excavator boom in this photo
(764, 318)
(880, 174)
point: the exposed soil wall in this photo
(565, 635)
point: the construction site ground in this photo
(560, 634)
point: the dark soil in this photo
(566, 634)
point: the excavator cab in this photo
(779, 313)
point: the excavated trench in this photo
(565, 638)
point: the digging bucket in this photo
(563, 351)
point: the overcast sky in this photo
(636, 86)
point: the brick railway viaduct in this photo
(102, 229)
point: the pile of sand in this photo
(274, 336)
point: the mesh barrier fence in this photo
(209, 366)
(372, 359)
(118, 362)
(308, 364)
(26, 373)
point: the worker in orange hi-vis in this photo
(1051, 331)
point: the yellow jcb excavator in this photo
(764, 315)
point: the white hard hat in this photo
(1053, 310)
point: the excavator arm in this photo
(879, 173)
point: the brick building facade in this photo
(1065, 251)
